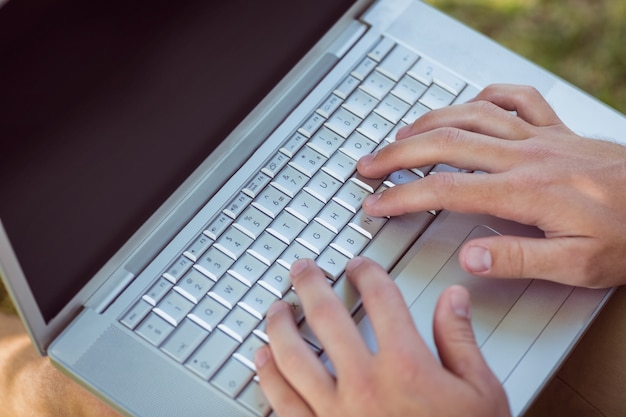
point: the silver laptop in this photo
(163, 166)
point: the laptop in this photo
(164, 163)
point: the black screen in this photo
(107, 106)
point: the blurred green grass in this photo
(582, 41)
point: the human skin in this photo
(402, 378)
(536, 172)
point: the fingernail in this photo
(298, 267)
(460, 303)
(261, 357)
(478, 259)
(367, 159)
(370, 200)
(354, 264)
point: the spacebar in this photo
(386, 248)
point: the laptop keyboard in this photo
(207, 309)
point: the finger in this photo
(456, 345)
(460, 192)
(482, 117)
(560, 259)
(452, 146)
(298, 364)
(385, 306)
(328, 318)
(284, 400)
(526, 101)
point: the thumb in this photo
(559, 259)
(455, 340)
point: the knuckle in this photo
(449, 137)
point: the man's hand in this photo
(403, 378)
(536, 172)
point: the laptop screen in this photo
(107, 106)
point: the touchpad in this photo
(491, 298)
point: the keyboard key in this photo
(173, 308)
(346, 87)
(409, 89)
(228, 291)
(334, 216)
(304, 206)
(205, 361)
(332, 262)
(402, 176)
(340, 166)
(233, 242)
(276, 280)
(253, 222)
(257, 301)
(154, 329)
(392, 108)
(157, 291)
(331, 104)
(267, 248)
(357, 146)
(290, 181)
(423, 71)
(208, 313)
(397, 62)
(381, 49)
(194, 285)
(232, 377)
(436, 97)
(351, 196)
(366, 224)
(350, 242)
(184, 340)
(248, 269)
(343, 122)
(364, 68)
(275, 165)
(286, 227)
(323, 186)
(214, 263)
(316, 237)
(293, 144)
(377, 85)
(308, 161)
(237, 205)
(414, 113)
(375, 127)
(360, 103)
(245, 353)
(178, 269)
(136, 314)
(238, 324)
(294, 252)
(218, 225)
(253, 398)
(198, 247)
(311, 125)
(271, 201)
(292, 299)
(257, 183)
(326, 142)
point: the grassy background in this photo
(582, 41)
